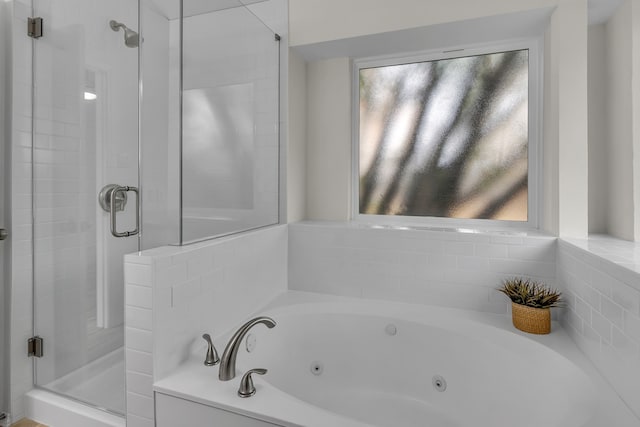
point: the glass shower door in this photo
(85, 138)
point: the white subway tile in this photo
(586, 292)
(625, 346)
(140, 405)
(473, 263)
(600, 280)
(171, 275)
(491, 250)
(139, 296)
(626, 296)
(575, 321)
(139, 318)
(200, 265)
(602, 326)
(139, 361)
(139, 383)
(139, 339)
(138, 274)
(611, 311)
(632, 325)
(583, 310)
(183, 294)
(591, 339)
(458, 248)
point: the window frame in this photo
(535, 146)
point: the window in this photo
(449, 137)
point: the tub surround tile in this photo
(138, 296)
(139, 383)
(139, 339)
(603, 318)
(139, 404)
(206, 287)
(212, 286)
(428, 266)
(608, 253)
(138, 318)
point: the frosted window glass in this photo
(446, 138)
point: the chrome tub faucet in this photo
(228, 361)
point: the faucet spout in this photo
(228, 361)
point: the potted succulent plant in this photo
(531, 304)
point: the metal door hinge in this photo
(277, 37)
(34, 27)
(35, 347)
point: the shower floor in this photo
(100, 383)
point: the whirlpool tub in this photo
(346, 363)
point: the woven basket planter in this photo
(530, 319)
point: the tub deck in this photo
(195, 382)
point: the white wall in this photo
(635, 90)
(296, 156)
(175, 294)
(568, 115)
(565, 198)
(598, 152)
(313, 21)
(620, 103)
(329, 139)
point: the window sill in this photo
(610, 252)
(464, 230)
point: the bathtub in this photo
(341, 362)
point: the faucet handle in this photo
(247, 389)
(212, 355)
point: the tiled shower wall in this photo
(203, 288)
(446, 268)
(603, 315)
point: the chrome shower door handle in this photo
(113, 208)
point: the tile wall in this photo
(602, 290)
(442, 268)
(208, 288)
(175, 294)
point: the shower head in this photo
(131, 38)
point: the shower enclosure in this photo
(153, 123)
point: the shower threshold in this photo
(100, 383)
